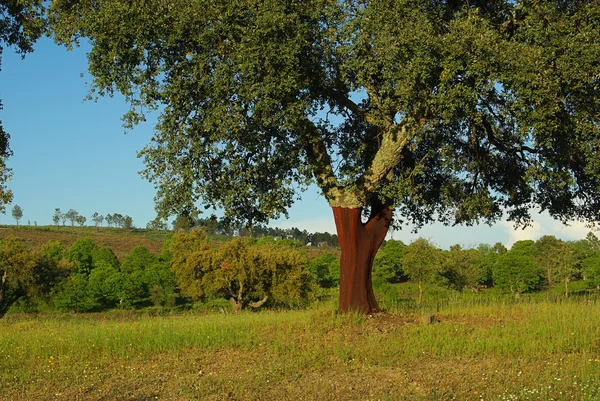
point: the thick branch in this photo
(350, 105)
(258, 304)
(319, 159)
(387, 157)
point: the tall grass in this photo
(528, 350)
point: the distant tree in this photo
(109, 220)
(118, 220)
(71, 215)
(81, 220)
(183, 223)
(97, 219)
(147, 279)
(105, 286)
(490, 254)
(388, 262)
(556, 257)
(57, 216)
(63, 218)
(422, 262)
(157, 224)
(249, 275)
(127, 222)
(516, 270)
(208, 225)
(73, 294)
(462, 268)
(17, 213)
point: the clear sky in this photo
(71, 153)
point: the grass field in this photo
(515, 351)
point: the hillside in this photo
(119, 240)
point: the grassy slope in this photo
(119, 240)
(537, 351)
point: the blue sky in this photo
(71, 153)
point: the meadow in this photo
(502, 349)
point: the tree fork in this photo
(359, 243)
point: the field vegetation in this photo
(176, 323)
(491, 349)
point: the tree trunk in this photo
(359, 243)
(566, 286)
(420, 294)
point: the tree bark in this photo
(359, 243)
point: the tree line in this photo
(250, 272)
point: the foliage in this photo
(104, 255)
(57, 216)
(146, 279)
(191, 261)
(97, 219)
(17, 213)
(422, 262)
(557, 257)
(388, 262)
(490, 254)
(325, 270)
(247, 275)
(516, 270)
(72, 215)
(81, 220)
(447, 110)
(24, 273)
(462, 268)
(81, 255)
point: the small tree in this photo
(127, 222)
(71, 215)
(97, 219)
(81, 220)
(422, 262)
(57, 216)
(248, 275)
(17, 213)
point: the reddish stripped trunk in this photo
(359, 243)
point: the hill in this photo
(119, 240)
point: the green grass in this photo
(523, 351)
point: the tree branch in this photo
(386, 158)
(319, 159)
(258, 304)
(350, 105)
